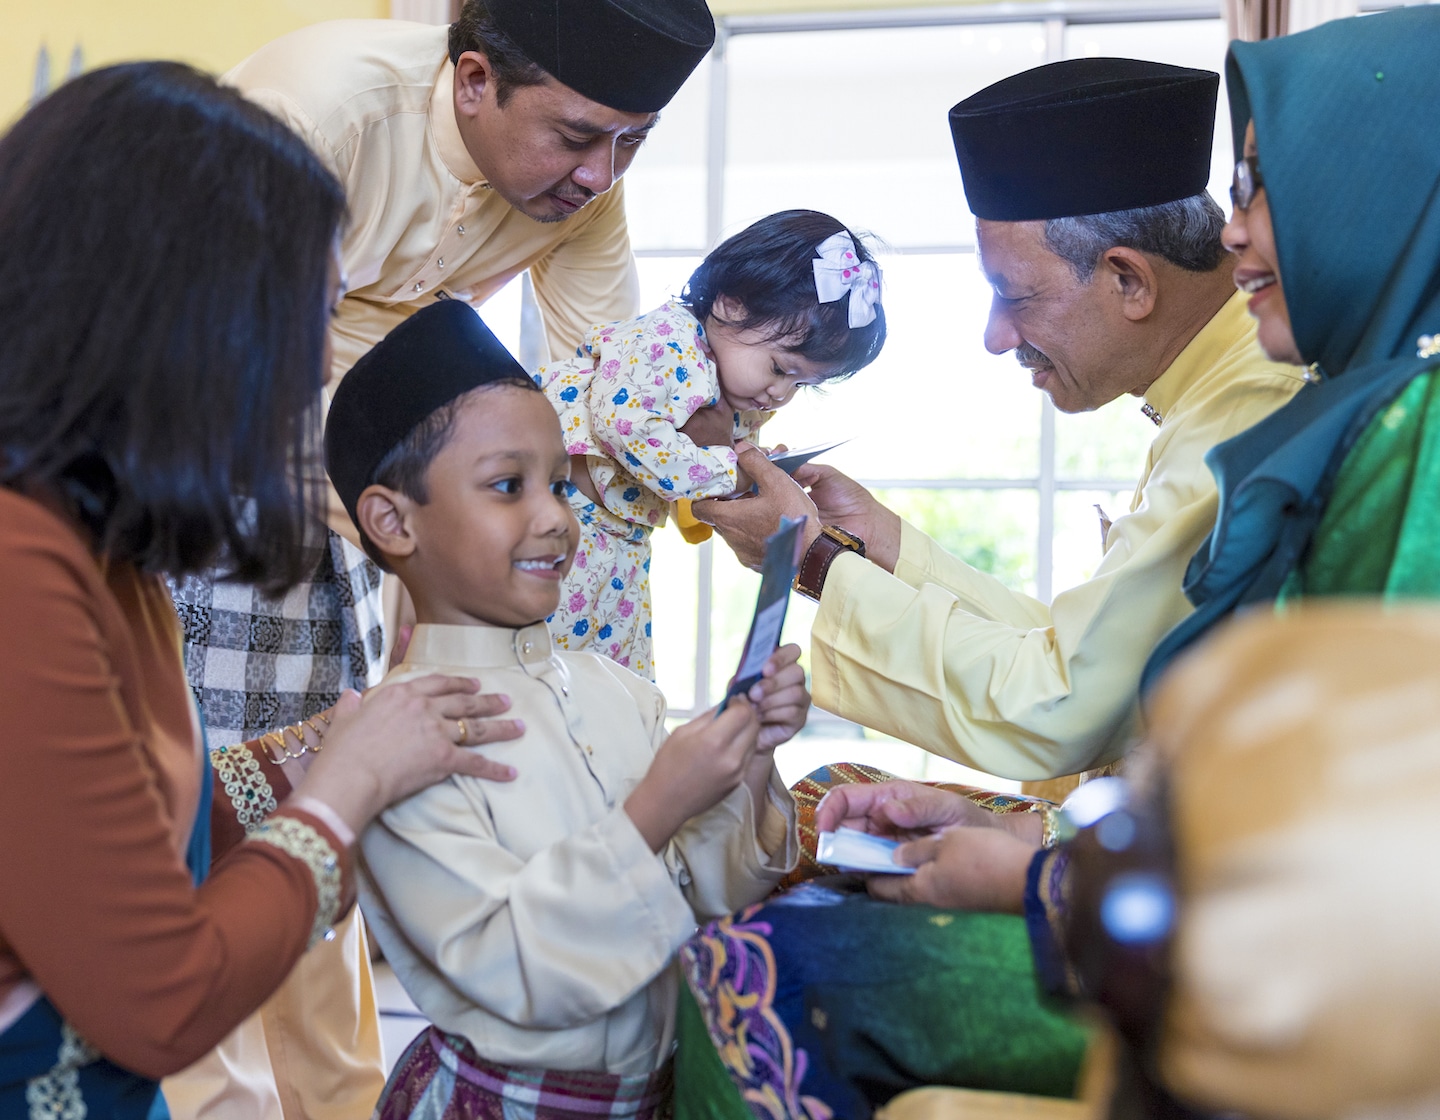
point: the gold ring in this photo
(464, 732)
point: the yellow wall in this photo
(214, 34)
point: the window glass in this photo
(934, 404)
(665, 186)
(674, 579)
(501, 313)
(1078, 544)
(1109, 443)
(874, 148)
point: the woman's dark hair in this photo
(767, 269)
(165, 253)
(510, 66)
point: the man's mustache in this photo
(1031, 358)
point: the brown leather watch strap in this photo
(815, 564)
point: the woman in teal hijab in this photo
(1338, 493)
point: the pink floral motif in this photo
(653, 442)
(578, 449)
(647, 402)
(577, 601)
(580, 559)
(610, 369)
(623, 427)
(695, 404)
(657, 351)
(625, 608)
(663, 330)
(700, 473)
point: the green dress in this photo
(1380, 533)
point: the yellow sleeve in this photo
(590, 278)
(947, 658)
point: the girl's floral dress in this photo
(622, 400)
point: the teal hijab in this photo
(1347, 126)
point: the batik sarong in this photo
(440, 1075)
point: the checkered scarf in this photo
(258, 663)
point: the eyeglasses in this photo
(1247, 182)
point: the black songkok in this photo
(439, 353)
(1085, 137)
(630, 55)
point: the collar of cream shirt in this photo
(1205, 351)
(479, 647)
(446, 132)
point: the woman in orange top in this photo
(165, 278)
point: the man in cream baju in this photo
(469, 155)
(1087, 179)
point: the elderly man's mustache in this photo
(1031, 358)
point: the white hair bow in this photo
(839, 270)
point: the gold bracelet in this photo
(297, 730)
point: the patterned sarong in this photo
(440, 1075)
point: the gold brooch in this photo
(1428, 345)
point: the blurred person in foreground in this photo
(149, 427)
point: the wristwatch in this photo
(814, 565)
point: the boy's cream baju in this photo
(531, 917)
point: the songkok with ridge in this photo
(439, 353)
(630, 55)
(1086, 136)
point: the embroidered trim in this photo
(299, 841)
(56, 1095)
(245, 784)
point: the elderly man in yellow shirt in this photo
(1088, 182)
(469, 155)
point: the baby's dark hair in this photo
(766, 269)
(406, 465)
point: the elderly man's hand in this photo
(746, 521)
(840, 500)
(961, 869)
(898, 808)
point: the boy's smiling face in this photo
(497, 535)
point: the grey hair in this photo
(1185, 233)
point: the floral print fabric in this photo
(622, 400)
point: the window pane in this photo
(1199, 43)
(992, 530)
(665, 186)
(501, 313)
(854, 123)
(663, 278)
(1109, 443)
(1078, 544)
(934, 404)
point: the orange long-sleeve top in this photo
(99, 784)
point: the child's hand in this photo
(693, 770)
(781, 698)
(712, 426)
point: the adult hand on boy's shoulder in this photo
(781, 698)
(711, 426)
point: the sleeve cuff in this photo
(1046, 890)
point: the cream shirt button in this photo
(460, 229)
(528, 646)
(420, 286)
(440, 263)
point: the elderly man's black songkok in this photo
(1086, 136)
